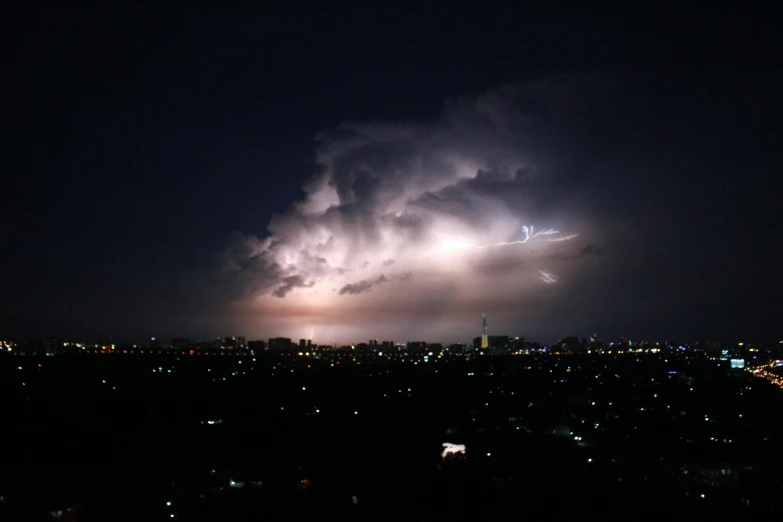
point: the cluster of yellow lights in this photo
(761, 371)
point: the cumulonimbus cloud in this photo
(447, 198)
(407, 193)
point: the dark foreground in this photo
(547, 438)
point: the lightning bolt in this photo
(564, 238)
(547, 277)
(529, 234)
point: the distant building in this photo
(256, 345)
(280, 343)
(416, 346)
(572, 344)
(234, 343)
(484, 338)
(180, 344)
(204, 345)
(497, 343)
(500, 342)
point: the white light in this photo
(452, 449)
(168, 503)
(356, 413)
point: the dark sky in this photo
(147, 151)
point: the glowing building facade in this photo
(484, 337)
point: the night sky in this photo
(346, 175)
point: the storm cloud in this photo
(387, 193)
(526, 201)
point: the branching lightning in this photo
(564, 238)
(529, 234)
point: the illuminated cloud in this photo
(465, 202)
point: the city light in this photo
(452, 449)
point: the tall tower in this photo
(484, 338)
